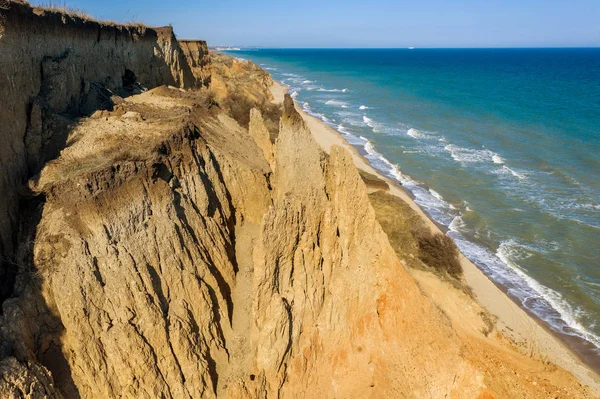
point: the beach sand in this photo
(526, 334)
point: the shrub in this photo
(412, 239)
(239, 108)
(440, 252)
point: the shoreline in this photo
(513, 321)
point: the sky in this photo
(366, 23)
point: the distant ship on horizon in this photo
(411, 48)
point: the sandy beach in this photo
(525, 333)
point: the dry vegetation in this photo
(238, 107)
(414, 242)
(64, 8)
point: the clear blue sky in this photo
(367, 23)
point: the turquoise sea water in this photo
(502, 147)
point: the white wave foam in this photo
(470, 155)
(333, 90)
(370, 148)
(497, 159)
(337, 103)
(466, 206)
(324, 118)
(376, 127)
(520, 176)
(420, 134)
(458, 224)
(342, 129)
(436, 194)
(307, 82)
(294, 94)
(414, 133)
(352, 139)
(363, 107)
(595, 207)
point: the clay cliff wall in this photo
(54, 67)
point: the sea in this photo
(501, 147)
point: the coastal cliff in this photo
(56, 67)
(194, 241)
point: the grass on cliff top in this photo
(413, 241)
(64, 8)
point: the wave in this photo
(324, 118)
(333, 90)
(376, 127)
(307, 82)
(458, 224)
(436, 194)
(505, 170)
(470, 155)
(588, 206)
(421, 134)
(294, 94)
(518, 175)
(337, 103)
(370, 148)
(363, 107)
(414, 133)
(497, 159)
(342, 129)
(306, 108)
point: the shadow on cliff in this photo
(31, 331)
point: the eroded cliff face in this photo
(55, 67)
(198, 58)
